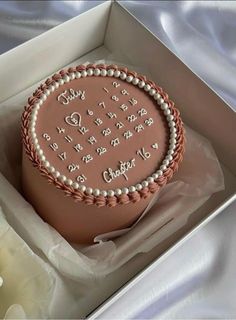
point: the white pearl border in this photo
(130, 79)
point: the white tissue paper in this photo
(83, 267)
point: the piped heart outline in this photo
(74, 119)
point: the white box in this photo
(110, 28)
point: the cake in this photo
(99, 141)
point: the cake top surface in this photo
(102, 131)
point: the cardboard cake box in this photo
(109, 30)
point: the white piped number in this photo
(98, 121)
(46, 137)
(90, 112)
(72, 167)
(68, 138)
(119, 125)
(115, 84)
(139, 128)
(81, 178)
(131, 118)
(106, 132)
(83, 130)
(111, 115)
(54, 146)
(78, 147)
(101, 150)
(102, 104)
(128, 134)
(62, 156)
(115, 98)
(115, 142)
(60, 130)
(149, 122)
(143, 154)
(142, 112)
(87, 158)
(124, 107)
(133, 101)
(124, 92)
(92, 140)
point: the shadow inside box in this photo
(10, 144)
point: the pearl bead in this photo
(150, 179)
(123, 75)
(96, 192)
(117, 73)
(90, 72)
(104, 193)
(82, 188)
(169, 158)
(141, 84)
(84, 73)
(103, 72)
(147, 87)
(46, 164)
(129, 78)
(110, 193)
(152, 92)
(75, 185)
(173, 135)
(164, 106)
(139, 187)
(40, 151)
(157, 96)
(72, 76)
(56, 174)
(163, 167)
(160, 173)
(172, 140)
(132, 189)
(170, 152)
(97, 72)
(171, 124)
(77, 75)
(118, 192)
(52, 88)
(61, 82)
(145, 183)
(170, 117)
(43, 97)
(110, 72)
(89, 190)
(135, 81)
(160, 100)
(68, 182)
(125, 190)
(167, 112)
(42, 158)
(165, 162)
(173, 130)
(66, 78)
(155, 175)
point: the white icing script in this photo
(109, 174)
(68, 95)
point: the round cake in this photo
(98, 142)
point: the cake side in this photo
(168, 160)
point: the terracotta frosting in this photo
(102, 133)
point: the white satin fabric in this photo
(198, 280)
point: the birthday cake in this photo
(99, 142)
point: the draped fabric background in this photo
(199, 279)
